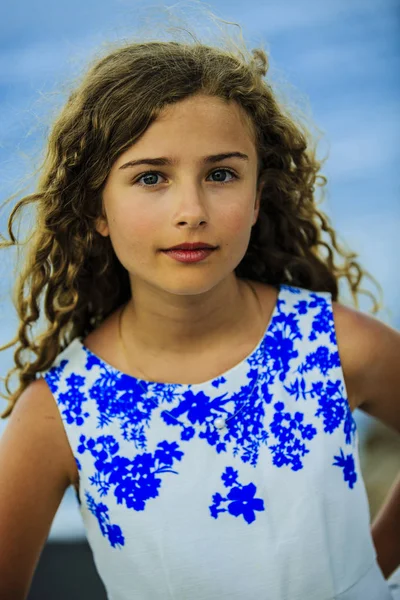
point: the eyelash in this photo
(136, 182)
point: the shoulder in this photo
(36, 409)
(34, 474)
(362, 339)
(36, 423)
(369, 351)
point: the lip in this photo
(189, 256)
(191, 246)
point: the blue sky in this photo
(337, 59)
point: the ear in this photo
(102, 226)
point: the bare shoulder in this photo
(37, 411)
(35, 471)
(362, 338)
(370, 355)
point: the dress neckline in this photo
(225, 375)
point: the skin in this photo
(180, 310)
(183, 308)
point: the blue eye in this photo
(156, 173)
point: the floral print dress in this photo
(270, 507)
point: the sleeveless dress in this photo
(270, 507)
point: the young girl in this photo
(197, 376)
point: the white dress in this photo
(270, 507)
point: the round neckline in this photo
(224, 375)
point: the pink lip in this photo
(189, 256)
(191, 246)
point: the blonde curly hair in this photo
(74, 270)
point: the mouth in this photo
(190, 247)
(189, 256)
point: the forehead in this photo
(195, 126)
(205, 107)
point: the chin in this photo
(196, 283)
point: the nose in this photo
(190, 206)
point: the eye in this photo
(226, 171)
(156, 174)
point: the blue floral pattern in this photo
(292, 394)
(100, 511)
(240, 500)
(347, 464)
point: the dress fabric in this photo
(271, 507)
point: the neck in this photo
(171, 325)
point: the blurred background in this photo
(338, 60)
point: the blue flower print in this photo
(187, 433)
(218, 381)
(279, 348)
(52, 377)
(196, 407)
(100, 511)
(346, 462)
(301, 306)
(119, 397)
(245, 431)
(281, 351)
(334, 408)
(290, 431)
(244, 503)
(291, 397)
(291, 288)
(321, 359)
(74, 399)
(323, 321)
(229, 477)
(134, 481)
(297, 389)
(240, 500)
(166, 453)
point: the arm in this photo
(386, 531)
(35, 463)
(370, 356)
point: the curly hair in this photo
(74, 270)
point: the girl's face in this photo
(188, 199)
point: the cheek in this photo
(132, 235)
(133, 228)
(237, 221)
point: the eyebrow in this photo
(164, 161)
